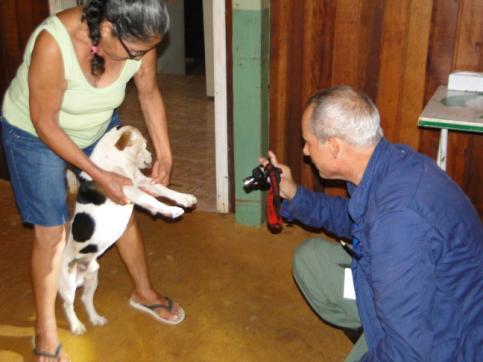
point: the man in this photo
(417, 241)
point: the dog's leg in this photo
(150, 203)
(185, 200)
(67, 288)
(90, 286)
(72, 181)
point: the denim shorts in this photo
(37, 175)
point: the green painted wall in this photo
(250, 102)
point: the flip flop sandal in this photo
(53, 355)
(151, 310)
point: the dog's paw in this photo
(78, 328)
(98, 320)
(173, 212)
(152, 209)
(187, 200)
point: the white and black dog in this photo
(98, 222)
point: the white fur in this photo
(111, 219)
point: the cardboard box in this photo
(466, 81)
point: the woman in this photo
(62, 100)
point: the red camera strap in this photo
(274, 220)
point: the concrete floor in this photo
(234, 282)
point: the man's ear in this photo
(334, 146)
(124, 141)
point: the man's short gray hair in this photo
(346, 114)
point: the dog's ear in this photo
(124, 141)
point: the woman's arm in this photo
(46, 90)
(154, 113)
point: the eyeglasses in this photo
(133, 54)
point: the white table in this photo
(452, 110)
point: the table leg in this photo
(442, 149)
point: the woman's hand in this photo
(288, 187)
(112, 184)
(161, 172)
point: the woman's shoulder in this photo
(46, 46)
(71, 21)
(71, 18)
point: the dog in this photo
(98, 222)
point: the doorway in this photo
(186, 82)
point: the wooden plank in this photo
(442, 45)
(369, 49)
(294, 88)
(357, 31)
(440, 57)
(413, 80)
(311, 73)
(10, 37)
(31, 14)
(19, 19)
(393, 55)
(345, 67)
(10, 58)
(280, 28)
(468, 54)
(318, 44)
(5, 25)
(326, 17)
(466, 57)
(473, 180)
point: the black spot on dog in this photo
(82, 227)
(90, 193)
(91, 248)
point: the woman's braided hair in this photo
(93, 15)
(131, 19)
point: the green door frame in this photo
(250, 47)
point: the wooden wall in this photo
(19, 19)
(397, 52)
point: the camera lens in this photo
(248, 181)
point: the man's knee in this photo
(308, 254)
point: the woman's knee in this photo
(52, 237)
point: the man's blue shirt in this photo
(419, 275)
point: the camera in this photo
(258, 179)
(267, 177)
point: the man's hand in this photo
(288, 187)
(112, 184)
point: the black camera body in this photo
(267, 177)
(258, 179)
